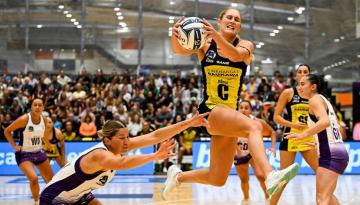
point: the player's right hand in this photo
(17, 148)
(299, 126)
(165, 150)
(175, 27)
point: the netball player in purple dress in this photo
(333, 157)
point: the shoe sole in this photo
(285, 179)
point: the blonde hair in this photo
(110, 128)
(222, 13)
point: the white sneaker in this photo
(171, 181)
(277, 179)
(36, 202)
(245, 202)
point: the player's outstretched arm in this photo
(165, 133)
(106, 160)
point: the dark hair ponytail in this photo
(319, 82)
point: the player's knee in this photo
(217, 182)
(260, 176)
(244, 179)
(33, 180)
(255, 126)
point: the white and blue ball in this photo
(191, 33)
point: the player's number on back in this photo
(223, 91)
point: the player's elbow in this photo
(277, 119)
(326, 123)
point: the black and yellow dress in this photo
(297, 109)
(55, 151)
(222, 80)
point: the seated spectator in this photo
(252, 86)
(185, 142)
(79, 94)
(57, 123)
(134, 125)
(87, 129)
(190, 93)
(62, 78)
(69, 132)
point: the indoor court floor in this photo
(145, 190)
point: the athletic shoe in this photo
(171, 181)
(278, 178)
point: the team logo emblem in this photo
(296, 98)
(211, 54)
(31, 129)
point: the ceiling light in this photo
(68, 15)
(342, 37)
(123, 24)
(39, 26)
(276, 31)
(76, 23)
(280, 27)
(120, 17)
(261, 43)
(290, 18)
(116, 9)
(358, 55)
(66, 12)
(72, 20)
(336, 40)
(272, 34)
(61, 6)
(266, 61)
(79, 26)
(171, 2)
(171, 17)
(234, 5)
(118, 13)
(327, 77)
(258, 46)
(171, 21)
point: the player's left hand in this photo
(199, 120)
(272, 151)
(292, 135)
